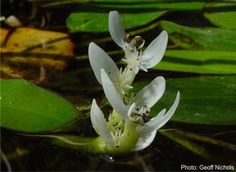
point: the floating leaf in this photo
(98, 22)
(134, 14)
(222, 18)
(143, 6)
(201, 38)
(206, 100)
(26, 107)
(211, 62)
(130, 5)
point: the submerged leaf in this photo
(26, 107)
(199, 149)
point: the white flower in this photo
(111, 131)
(135, 57)
(136, 113)
(128, 127)
(99, 59)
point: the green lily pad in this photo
(26, 107)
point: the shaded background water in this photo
(178, 143)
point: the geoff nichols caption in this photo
(215, 167)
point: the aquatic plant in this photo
(129, 126)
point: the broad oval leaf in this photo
(26, 107)
(98, 22)
(195, 38)
(208, 100)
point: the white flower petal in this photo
(146, 134)
(113, 96)
(155, 51)
(161, 119)
(116, 28)
(145, 140)
(150, 94)
(99, 59)
(99, 123)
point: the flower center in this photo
(116, 126)
(133, 53)
(123, 81)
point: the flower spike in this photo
(129, 126)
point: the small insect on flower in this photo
(137, 42)
(137, 118)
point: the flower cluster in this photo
(129, 126)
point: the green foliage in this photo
(222, 18)
(98, 22)
(134, 13)
(144, 6)
(210, 62)
(201, 38)
(26, 107)
(206, 100)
